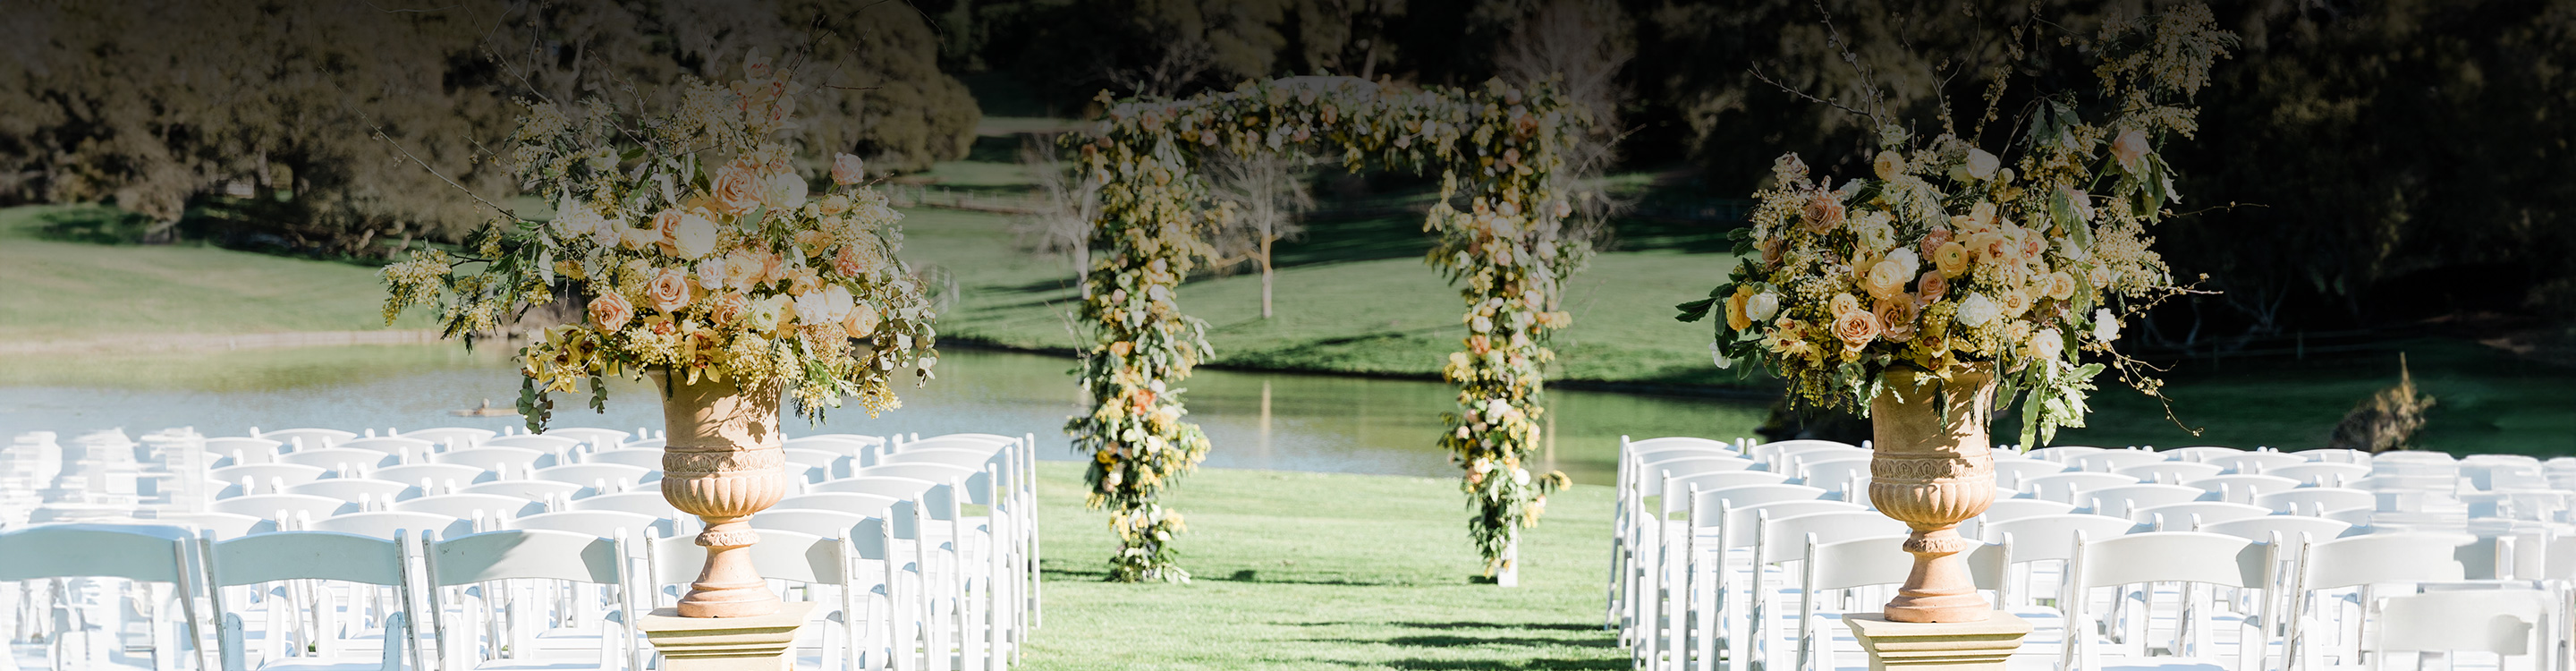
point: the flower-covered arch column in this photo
(1498, 149)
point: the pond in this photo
(1277, 421)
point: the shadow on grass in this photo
(1492, 664)
(1473, 641)
(1252, 576)
(1544, 626)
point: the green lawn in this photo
(58, 290)
(1319, 571)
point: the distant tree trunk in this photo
(1265, 269)
(1082, 264)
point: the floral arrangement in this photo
(1499, 143)
(694, 247)
(1947, 255)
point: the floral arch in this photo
(1499, 150)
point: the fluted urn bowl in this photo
(1932, 468)
(722, 461)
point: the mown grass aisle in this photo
(1324, 571)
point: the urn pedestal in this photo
(1982, 645)
(723, 461)
(1931, 469)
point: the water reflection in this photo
(1256, 420)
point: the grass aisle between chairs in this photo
(1324, 571)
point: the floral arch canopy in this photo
(1501, 240)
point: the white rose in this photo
(816, 308)
(1906, 259)
(695, 237)
(783, 191)
(1978, 310)
(2106, 328)
(2046, 344)
(1982, 164)
(1762, 306)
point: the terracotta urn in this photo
(1932, 469)
(723, 462)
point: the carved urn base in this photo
(1932, 469)
(722, 462)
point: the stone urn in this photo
(1931, 468)
(723, 461)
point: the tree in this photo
(1261, 197)
(1069, 199)
(1582, 45)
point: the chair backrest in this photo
(405, 448)
(642, 503)
(823, 523)
(306, 438)
(2065, 486)
(1654, 475)
(539, 442)
(2170, 472)
(2006, 510)
(2335, 456)
(152, 553)
(1779, 446)
(1848, 478)
(305, 555)
(830, 462)
(2199, 453)
(2172, 556)
(847, 502)
(2308, 499)
(529, 490)
(2011, 473)
(593, 474)
(1722, 480)
(358, 489)
(224, 526)
(601, 523)
(2402, 557)
(492, 507)
(932, 472)
(385, 524)
(1664, 442)
(263, 474)
(2413, 456)
(644, 459)
(1748, 517)
(2191, 516)
(2052, 537)
(504, 461)
(2243, 488)
(1748, 496)
(588, 435)
(2255, 463)
(342, 460)
(836, 443)
(1654, 456)
(2498, 621)
(516, 554)
(1795, 459)
(437, 475)
(454, 437)
(1881, 560)
(259, 447)
(1783, 539)
(2123, 500)
(2061, 453)
(986, 442)
(2290, 528)
(2111, 461)
(280, 506)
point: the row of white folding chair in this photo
(973, 596)
(1677, 612)
(1628, 521)
(1018, 458)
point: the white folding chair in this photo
(864, 504)
(140, 553)
(486, 562)
(309, 623)
(268, 478)
(224, 526)
(2311, 500)
(1779, 541)
(542, 491)
(1859, 563)
(588, 435)
(2132, 563)
(539, 442)
(2124, 500)
(246, 451)
(1665, 575)
(2170, 472)
(2062, 453)
(435, 478)
(2335, 456)
(2011, 473)
(1843, 479)
(342, 461)
(643, 503)
(298, 440)
(2066, 486)
(2192, 515)
(404, 450)
(601, 523)
(2507, 623)
(645, 459)
(284, 508)
(2367, 563)
(370, 494)
(607, 478)
(388, 524)
(2200, 453)
(2050, 539)
(2255, 463)
(451, 437)
(2242, 488)
(487, 511)
(2111, 461)
(504, 461)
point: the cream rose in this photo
(1762, 306)
(833, 204)
(1978, 310)
(2129, 149)
(783, 191)
(2061, 286)
(636, 239)
(694, 238)
(1981, 217)
(1886, 278)
(1843, 303)
(847, 169)
(737, 188)
(611, 311)
(2106, 327)
(1856, 329)
(2014, 302)
(1888, 165)
(2047, 344)
(818, 308)
(669, 290)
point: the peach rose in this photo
(729, 309)
(1842, 304)
(2129, 148)
(738, 188)
(1771, 251)
(667, 222)
(2061, 286)
(669, 290)
(2014, 302)
(1856, 329)
(1933, 240)
(611, 311)
(1824, 212)
(635, 239)
(1896, 315)
(861, 322)
(1951, 259)
(833, 204)
(1931, 287)
(848, 169)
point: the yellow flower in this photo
(1951, 259)
(1736, 317)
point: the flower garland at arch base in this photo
(1498, 149)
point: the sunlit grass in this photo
(1319, 571)
(53, 290)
